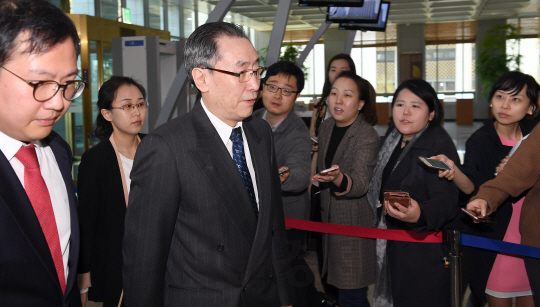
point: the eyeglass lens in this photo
(285, 92)
(129, 107)
(246, 75)
(47, 90)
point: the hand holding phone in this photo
(328, 170)
(478, 219)
(283, 171)
(314, 140)
(435, 163)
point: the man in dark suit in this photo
(39, 230)
(204, 224)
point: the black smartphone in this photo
(435, 163)
(476, 218)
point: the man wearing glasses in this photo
(39, 230)
(204, 224)
(280, 88)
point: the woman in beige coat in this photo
(349, 145)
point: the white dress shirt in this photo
(127, 165)
(224, 132)
(50, 171)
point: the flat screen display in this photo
(369, 13)
(379, 26)
(355, 3)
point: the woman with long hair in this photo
(348, 146)
(103, 188)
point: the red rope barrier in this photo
(365, 232)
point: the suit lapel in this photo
(13, 196)
(260, 155)
(64, 163)
(351, 132)
(325, 134)
(221, 174)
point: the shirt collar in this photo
(222, 128)
(10, 146)
(276, 126)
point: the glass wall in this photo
(110, 9)
(136, 8)
(450, 68)
(85, 7)
(174, 15)
(529, 49)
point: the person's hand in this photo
(445, 173)
(334, 176)
(285, 174)
(84, 298)
(409, 215)
(479, 207)
(501, 165)
(314, 146)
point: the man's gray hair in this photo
(201, 47)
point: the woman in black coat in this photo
(103, 189)
(514, 99)
(414, 274)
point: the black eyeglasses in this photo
(45, 90)
(245, 75)
(131, 107)
(284, 91)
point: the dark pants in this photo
(532, 265)
(300, 278)
(353, 297)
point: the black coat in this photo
(191, 236)
(484, 151)
(102, 209)
(418, 276)
(27, 273)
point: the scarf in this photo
(383, 295)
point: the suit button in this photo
(220, 247)
(271, 276)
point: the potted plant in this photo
(493, 60)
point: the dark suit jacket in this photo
(293, 149)
(191, 237)
(102, 209)
(27, 273)
(417, 270)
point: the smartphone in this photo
(435, 163)
(314, 140)
(328, 170)
(476, 218)
(283, 171)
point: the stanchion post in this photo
(454, 256)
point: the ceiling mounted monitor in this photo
(369, 13)
(379, 26)
(331, 3)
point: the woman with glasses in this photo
(103, 189)
(348, 153)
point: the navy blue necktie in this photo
(240, 160)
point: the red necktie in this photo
(41, 201)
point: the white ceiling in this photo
(260, 14)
